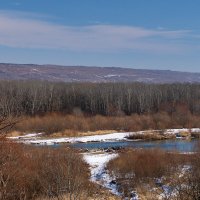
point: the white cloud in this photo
(21, 31)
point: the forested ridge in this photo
(112, 99)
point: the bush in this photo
(55, 122)
(32, 172)
(136, 168)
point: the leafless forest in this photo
(33, 97)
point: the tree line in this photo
(40, 97)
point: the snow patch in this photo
(84, 139)
(99, 174)
(111, 75)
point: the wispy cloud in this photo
(24, 31)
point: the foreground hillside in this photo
(92, 74)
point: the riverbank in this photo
(43, 139)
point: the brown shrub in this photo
(151, 135)
(33, 172)
(55, 122)
(134, 168)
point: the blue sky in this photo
(147, 34)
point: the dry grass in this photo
(14, 133)
(185, 134)
(195, 135)
(137, 169)
(101, 194)
(78, 125)
(69, 133)
(151, 135)
(28, 172)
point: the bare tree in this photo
(6, 124)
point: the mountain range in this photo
(92, 74)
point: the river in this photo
(169, 145)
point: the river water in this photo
(169, 145)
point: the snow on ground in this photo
(169, 131)
(175, 131)
(99, 174)
(171, 191)
(35, 137)
(83, 139)
(27, 136)
(184, 170)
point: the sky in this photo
(144, 34)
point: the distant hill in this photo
(92, 74)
